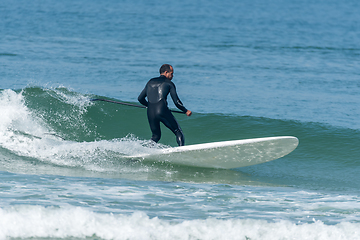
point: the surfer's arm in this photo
(142, 97)
(177, 101)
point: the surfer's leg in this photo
(156, 132)
(154, 123)
(180, 139)
(171, 123)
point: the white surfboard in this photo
(227, 154)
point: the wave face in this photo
(62, 132)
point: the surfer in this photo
(156, 91)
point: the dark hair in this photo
(165, 68)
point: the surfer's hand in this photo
(188, 112)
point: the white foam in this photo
(17, 125)
(25, 134)
(14, 113)
(72, 98)
(37, 221)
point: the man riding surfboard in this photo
(156, 91)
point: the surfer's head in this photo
(167, 71)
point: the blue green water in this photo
(246, 69)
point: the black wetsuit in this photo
(156, 91)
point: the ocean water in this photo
(246, 69)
